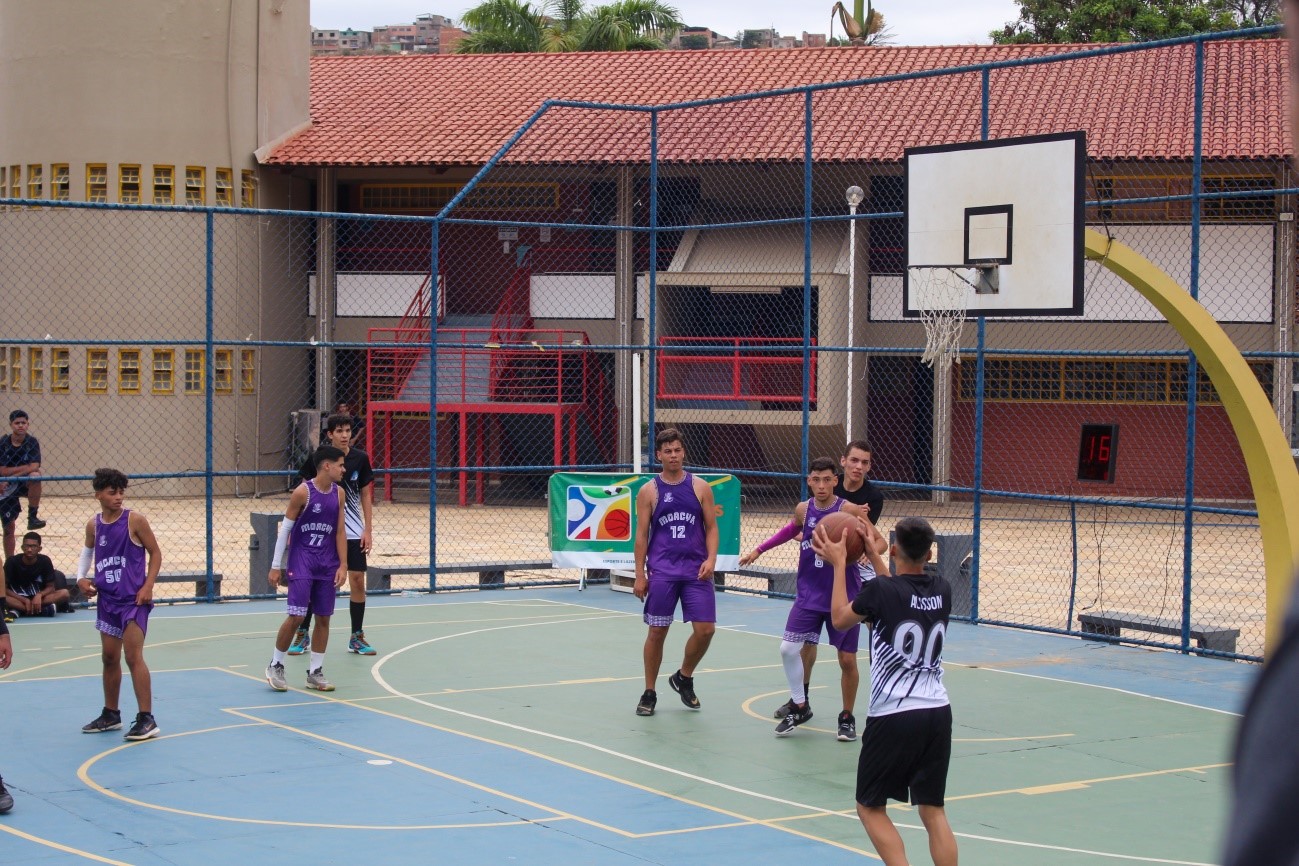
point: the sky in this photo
(913, 22)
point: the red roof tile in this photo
(449, 109)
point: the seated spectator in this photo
(32, 585)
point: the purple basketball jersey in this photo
(816, 577)
(676, 536)
(119, 561)
(313, 545)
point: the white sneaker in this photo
(275, 677)
(316, 680)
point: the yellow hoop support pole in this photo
(1271, 466)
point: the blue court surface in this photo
(498, 727)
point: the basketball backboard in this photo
(1004, 218)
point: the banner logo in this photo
(599, 513)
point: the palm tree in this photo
(498, 26)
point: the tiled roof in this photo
(460, 109)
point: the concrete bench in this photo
(199, 579)
(379, 577)
(1105, 625)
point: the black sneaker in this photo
(143, 729)
(786, 708)
(793, 720)
(685, 687)
(109, 720)
(6, 799)
(35, 523)
(847, 727)
(647, 702)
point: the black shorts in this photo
(355, 555)
(905, 754)
(10, 508)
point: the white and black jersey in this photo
(357, 475)
(909, 614)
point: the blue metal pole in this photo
(651, 322)
(1192, 365)
(209, 435)
(434, 240)
(1073, 572)
(976, 559)
(805, 445)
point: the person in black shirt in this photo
(853, 485)
(33, 587)
(907, 746)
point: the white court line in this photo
(386, 686)
(983, 667)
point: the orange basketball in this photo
(840, 523)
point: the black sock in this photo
(31, 511)
(357, 609)
(305, 625)
(807, 691)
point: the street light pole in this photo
(855, 196)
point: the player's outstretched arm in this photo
(788, 532)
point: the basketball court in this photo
(499, 726)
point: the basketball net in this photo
(941, 297)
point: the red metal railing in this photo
(481, 365)
(770, 377)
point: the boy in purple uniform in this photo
(117, 541)
(6, 656)
(676, 550)
(317, 567)
(811, 609)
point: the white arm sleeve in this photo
(85, 562)
(286, 527)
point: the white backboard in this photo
(1017, 202)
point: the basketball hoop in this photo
(942, 295)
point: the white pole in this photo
(855, 196)
(635, 413)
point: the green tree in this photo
(500, 26)
(1055, 21)
(694, 41)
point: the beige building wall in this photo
(152, 83)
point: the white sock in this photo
(277, 657)
(317, 661)
(792, 659)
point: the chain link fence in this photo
(676, 268)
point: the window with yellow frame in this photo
(164, 371)
(164, 185)
(15, 181)
(195, 186)
(128, 371)
(60, 182)
(195, 371)
(223, 372)
(97, 371)
(1149, 381)
(4, 369)
(128, 184)
(15, 368)
(248, 188)
(35, 369)
(4, 182)
(247, 370)
(97, 182)
(60, 371)
(224, 186)
(36, 181)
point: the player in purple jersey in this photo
(317, 567)
(6, 656)
(676, 551)
(810, 612)
(117, 542)
(907, 746)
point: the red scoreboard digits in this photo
(1097, 452)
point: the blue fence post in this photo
(209, 437)
(1192, 366)
(651, 323)
(805, 445)
(985, 96)
(434, 239)
(1073, 572)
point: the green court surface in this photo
(498, 727)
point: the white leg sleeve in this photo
(791, 656)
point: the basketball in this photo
(840, 523)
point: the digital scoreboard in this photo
(1096, 453)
